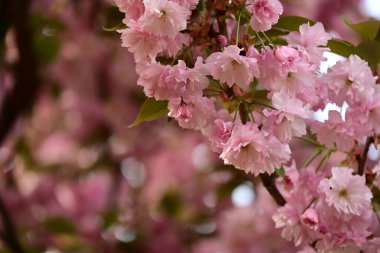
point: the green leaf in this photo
(280, 171)
(370, 51)
(292, 23)
(341, 47)
(151, 110)
(59, 224)
(367, 29)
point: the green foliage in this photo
(292, 23)
(280, 171)
(370, 51)
(341, 47)
(46, 37)
(59, 224)
(171, 203)
(110, 217)
(367, 29)
(113, 21)
(150, 110)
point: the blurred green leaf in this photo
(370, 51)
(341, 47)
(59, 224)
(151, 109)
(110, 217)
(113, 21)
(367, 29)
(171, 203)
(292, 23)
(46, 37)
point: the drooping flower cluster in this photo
(250, 97)
(332, 212)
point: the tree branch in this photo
(24, 92)
(9, 235)
(362, 160)
(270, 185)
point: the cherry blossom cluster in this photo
(222, 74)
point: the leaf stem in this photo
(238, 29)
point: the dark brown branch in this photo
(9, 235)
(270, 185)
(24, 92)
(362, 160)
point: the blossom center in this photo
(162, 14)
(244, 148)
(235, 64)
(343, 193)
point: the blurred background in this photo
(74, 178)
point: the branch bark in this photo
(24, 92)
(9, 235)
(362, 160)
(269, 183)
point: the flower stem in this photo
(312, 158)
(238, 29)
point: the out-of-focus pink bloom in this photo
(164, 18)
(265, 13)
(346, 192)
(232, 68)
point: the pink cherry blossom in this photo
(219, 133)
(141, 43)
(164, 17)
(265, 13)
(288, 120)
(132, 8)
(335, 131)
(166, 82)
(286, 56)
(310, 219)
(308, 40)
(232, 68)
(254, 151)
(346, 192)
(196, 113)
(351, 81)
